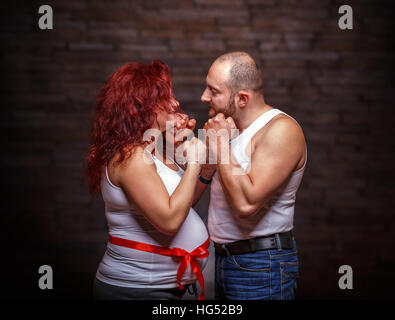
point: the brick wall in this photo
(335, 83)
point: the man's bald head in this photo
(243, 74)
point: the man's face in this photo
(217, 94)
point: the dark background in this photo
(335, 83)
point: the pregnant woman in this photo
(157, 244)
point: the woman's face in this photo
(166, 113)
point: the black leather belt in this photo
(276, 241)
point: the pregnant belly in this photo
(192, 233)
(132, 267)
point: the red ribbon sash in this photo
(200, 252)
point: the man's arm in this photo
(275, 156)
(206, 173)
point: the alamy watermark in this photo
(346, 20)
(46, 280)
(346, 280)
(46, 20)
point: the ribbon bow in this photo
(200, 252)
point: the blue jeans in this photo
(261, 275)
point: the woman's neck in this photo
(161, 149)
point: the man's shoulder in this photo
(281, 127)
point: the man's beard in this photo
(230, 108)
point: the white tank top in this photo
(275, 216)
(127, 267)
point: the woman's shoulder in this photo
(138, 156)
(137, 161)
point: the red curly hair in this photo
(125, 109)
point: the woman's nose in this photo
(174, 105)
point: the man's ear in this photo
(243, 97)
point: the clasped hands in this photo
(218, 131)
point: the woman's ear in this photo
(243, 97)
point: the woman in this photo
(157, 243)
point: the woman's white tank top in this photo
(127, 267)
(275, 216)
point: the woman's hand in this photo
(183, 128)
(195, 151)
(183, 121)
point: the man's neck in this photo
(250, 115)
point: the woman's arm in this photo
(144, 187)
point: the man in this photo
(251, 214)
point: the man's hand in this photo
(221, 125)
(219, 131)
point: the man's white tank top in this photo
(127, 267)
(275, 216)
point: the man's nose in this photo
(205, 97)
